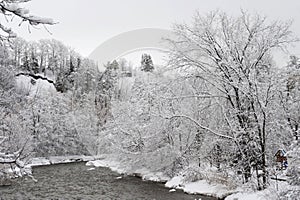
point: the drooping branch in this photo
(11, 9)
(13, 158)
(199, 125)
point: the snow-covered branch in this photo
(199, 125)
(12, 158)
(14, 8)
(11, 9)
(194, 96)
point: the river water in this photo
(77, 181)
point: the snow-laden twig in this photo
(200, 125)
(194, 96)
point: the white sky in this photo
(85, 24)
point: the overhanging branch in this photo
(201, 126)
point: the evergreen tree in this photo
(146, 63)
(114, 65)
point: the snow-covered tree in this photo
(291, 96)
(14, 135)
(233, 57)
(146, 63)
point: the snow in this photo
(24, 13)
(274, 191)
(42, 20)
(151, 176)
(174, 182)
(198, 187)
(113, 165)
(41, 87)
(12, 7)
(177, 182)
(116, 166)
(203, 187)
(41, 161)
(246, 196)
(18, 172)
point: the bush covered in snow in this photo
(193, 174)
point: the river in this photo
(78, 181)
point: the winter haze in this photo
(86, 24)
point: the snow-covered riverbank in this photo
(51, 160)
(202, 187)
(9, 172)
(179, 182)
(116, 166)
(199, 187)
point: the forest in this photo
(219, 111)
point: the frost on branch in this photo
(233, 56)
(10, 9)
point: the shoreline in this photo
(200, 187)
(103, 161)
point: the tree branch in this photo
(198, 124)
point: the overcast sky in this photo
(85, 24)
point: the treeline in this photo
(42, 122)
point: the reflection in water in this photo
(77, 181)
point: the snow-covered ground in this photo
(14, 172)
(40, 161)
(116, 166)
(177, 182)
(198, 187)
(271, 193)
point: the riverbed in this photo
(78, 181)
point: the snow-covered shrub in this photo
(177, 166)
(223, 178)
(192, 174)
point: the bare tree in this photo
(233, 56)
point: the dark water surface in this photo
(75, 181)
